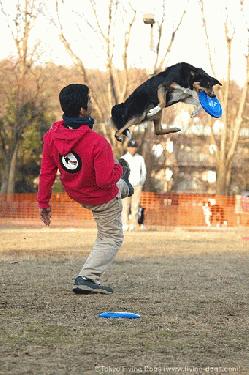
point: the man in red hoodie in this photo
(90, 176)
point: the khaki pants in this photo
(131, 204)
(109, 238)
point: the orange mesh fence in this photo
(161, 210)
(187, 209)
(23, 209)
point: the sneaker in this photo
(83, 285)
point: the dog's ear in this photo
(214, 81)
(217, 82)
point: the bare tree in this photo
(19, 98)
(161, 53)
(227, 143)
(161, 58)
(120, 81)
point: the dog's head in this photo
(118, 118)
(201, 81)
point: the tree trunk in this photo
(12, 172)
(223, 177)
(5, 179)
(9, 173)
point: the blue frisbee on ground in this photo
(121, 315)
(211, 105)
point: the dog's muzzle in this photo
(208, 91)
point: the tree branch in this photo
(239, 117)
(160, 67)
(77, 60)
(93, 6)
(125, 57)
(204, 23)
(160, 30)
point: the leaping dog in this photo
(178, 83)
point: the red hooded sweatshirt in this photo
(86, 164)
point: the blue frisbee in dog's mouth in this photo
(122, 315)
(210, 104)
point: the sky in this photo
(189, 46)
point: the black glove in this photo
(126, 169)
(126, 174)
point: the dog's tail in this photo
(118, 118)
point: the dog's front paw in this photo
(128, 134)
(119, 137)
(154, 111)
(196, 111)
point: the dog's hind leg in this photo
(161, 94)
(133, 121)
(158, 126)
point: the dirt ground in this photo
(191, 289)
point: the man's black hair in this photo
(74, 97)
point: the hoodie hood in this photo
(66, 139)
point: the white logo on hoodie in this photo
(71, 162)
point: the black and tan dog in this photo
(178, 83)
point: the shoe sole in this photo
(83, 289)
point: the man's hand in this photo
(126, 169)
(45, 215)
(125, 175)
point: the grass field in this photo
(191, 289)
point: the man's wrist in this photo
(43, 206)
